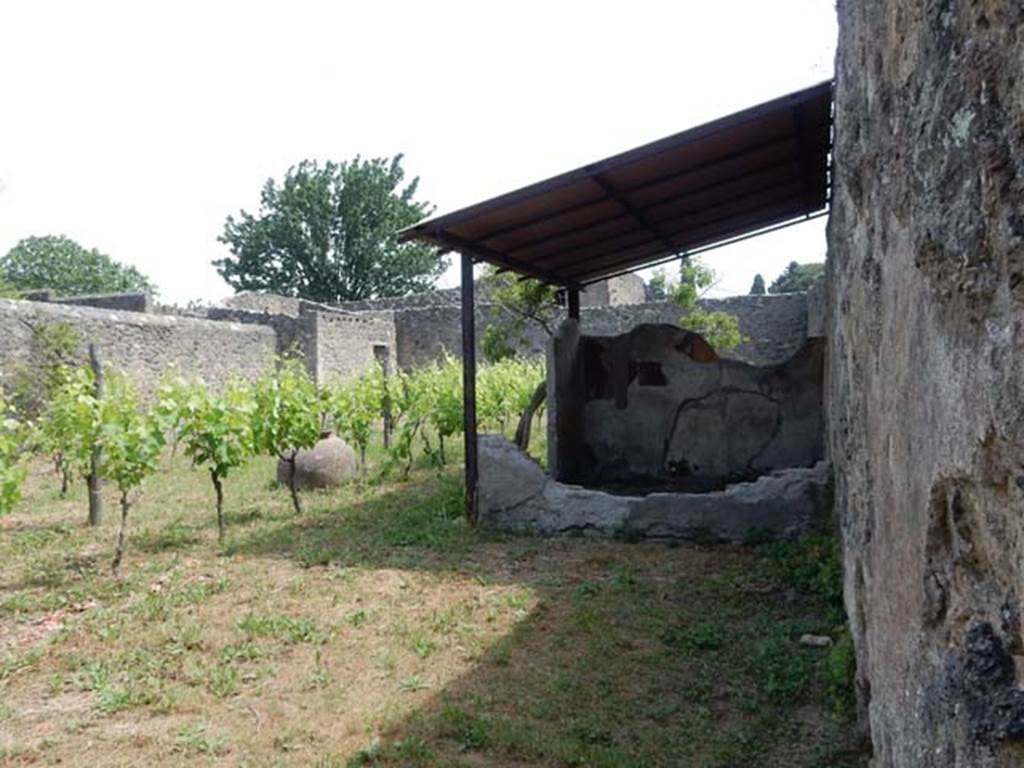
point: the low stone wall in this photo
(142, 345)
(125, 302)
(516, 495)
(268, 303)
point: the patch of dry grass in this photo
(376, 629)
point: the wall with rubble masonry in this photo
(142, 345)
(335, 343)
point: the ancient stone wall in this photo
(926, 373)
(347, 344)
(334, 345)
(144, 346)
(295, 336)
(126, 302)
(268, 303)
(775, 326)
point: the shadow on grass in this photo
(623, 655)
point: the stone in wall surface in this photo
(143, 346)
(926, 373)
(516, 495)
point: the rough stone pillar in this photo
(926, 372)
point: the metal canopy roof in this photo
(753, 170)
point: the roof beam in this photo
(759, 216)
(635, 213)
(661, 201)
(691, 169)
(768, 229)
(683, 215)
(456, 243)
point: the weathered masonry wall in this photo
(348, 345)
(775, 325)
(142, 345)
(926, 372)
(334, 345)
(656, 407)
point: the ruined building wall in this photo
(347, 345)
(775, 326)
(656, 406)
(144, 346)
(926, 373)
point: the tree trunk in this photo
(440, 448)
(526, 419)
(219, 488)
(386, 416)
(121, 533)
(291, 483)
(61, 468)
(95, 483)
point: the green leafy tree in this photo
(328, 233)
(286, 417)
(12, 470)
(720, 329)
(515, 305)
(757, 287)
(216, 432)
(62, 265)
(505, 389)
(797, 277)
(439, 396)
(409, 403)
(7, 289)
(356, 406)
(53, 351)
(132, 440)
(72, 425)
(657, 286)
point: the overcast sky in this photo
(137, 127)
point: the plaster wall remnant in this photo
(517, 495)
(657, 406)
(926, 374)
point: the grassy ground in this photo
(376, 629)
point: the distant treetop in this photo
(328, 233)
(797, 277)
(757, 288)
(60, 264)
